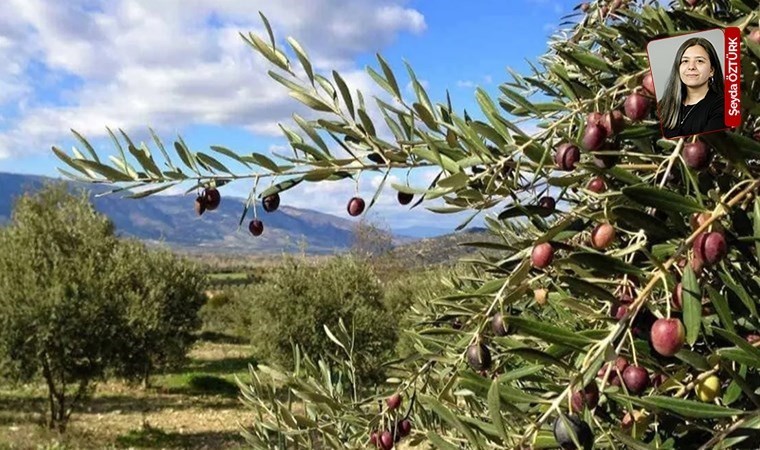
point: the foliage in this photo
(299, 299)
(556, 343)
(162, 296)
(228, 312)
(58, 317)
(406, 291)
(76, 304)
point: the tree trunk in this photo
(146, 376)
(51, 390)
(62, 411)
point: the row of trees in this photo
(78, 304)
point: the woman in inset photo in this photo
(693, 99)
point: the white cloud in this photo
(487, 79)
(173, 63)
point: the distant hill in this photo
(172, 221)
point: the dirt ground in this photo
(172, 414)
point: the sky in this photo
(181, 67)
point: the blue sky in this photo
(180, 67)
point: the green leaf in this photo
(274, 56)
(662, 199)
(547, 332)
(302, 58)
(752, 351)
(311, 132)
(449, 417)
(520, 373)
(692, 306)
(380, 81)
(494, 408)
(185, 155)
(332, 337)
(590, 60)
(533, 355)
(86, 145)
(161, 147)
(686, 408)
(631, 443)
(70, 162)
(567, 180)
(440, 442)
(109, 173)
(639, 132)
(604, 264)
(537, 154)
(721, 307)
(419, 90)
(146, 160)
(739, 355)
(310, 100)
(281, 186)
(518, 99)
(327, 86)
(345, 93)
(455, 181)
(626, 176)
(444, 161)
(369, 127)
(392, 83)
(268, 27)
(229, 153)
(694, 359)
(379, 189)
(148, 192)
(284, 81)
(317, 175)
(734, 390)
(592, 290)
(635, 219)
(263, 161)
(210, 161)
(425, 115)
(740, 292)
(520, 210)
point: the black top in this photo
(706, 115)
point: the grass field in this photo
(193, 408)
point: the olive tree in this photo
(622, 308)
(77, 304)
(162, 296)
(58, 317)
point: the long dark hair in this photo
(675, 90)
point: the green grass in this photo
(200, 384)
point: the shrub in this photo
(162, 297)
(299, 299)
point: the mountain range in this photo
(171, 220)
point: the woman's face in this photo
(695, 67)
